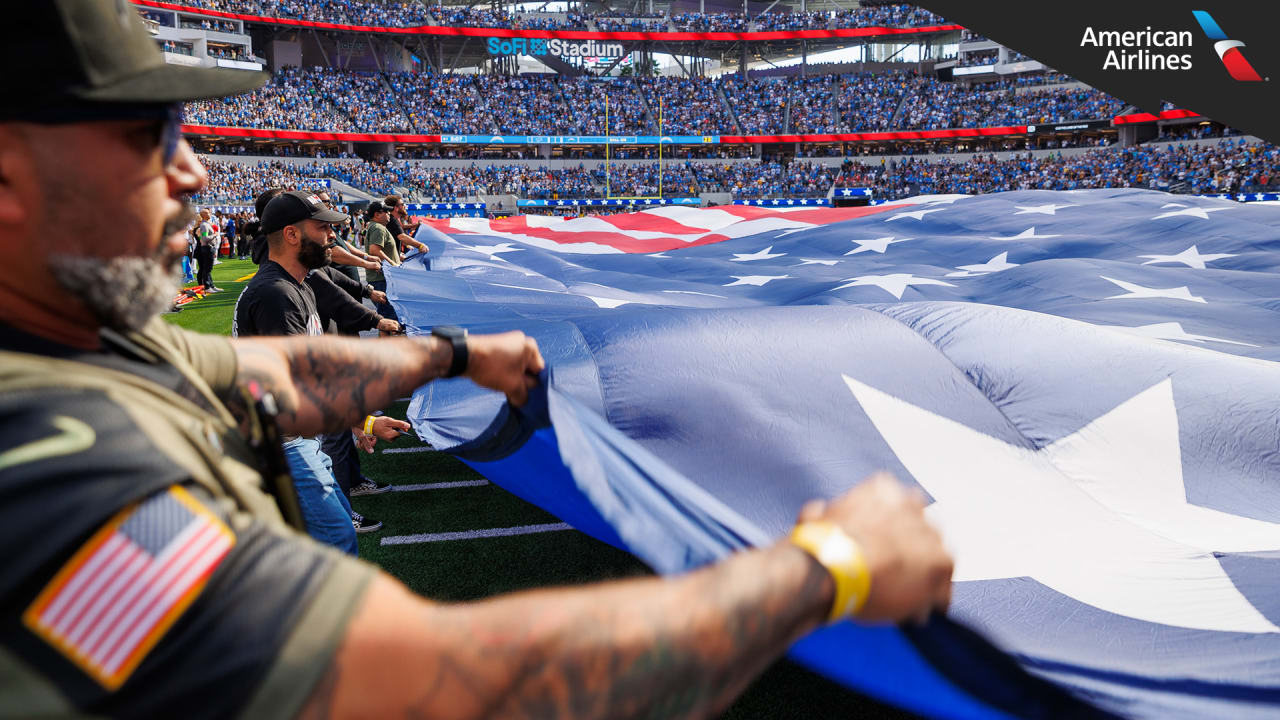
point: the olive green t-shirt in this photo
(130, 589)
(378, 234)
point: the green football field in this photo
(435, 538)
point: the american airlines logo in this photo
(1228, 50)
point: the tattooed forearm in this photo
(322, 384)
(650, 648)
(658, 648)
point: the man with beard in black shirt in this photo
(396, 225)
(338, 303)
(280, 301)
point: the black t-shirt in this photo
(394, 227)
(93, 507)
(338, 301)
(274, 303)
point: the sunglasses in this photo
(171, 132)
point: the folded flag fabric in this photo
(1084, 384)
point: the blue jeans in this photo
(384, 309)
(324, 505)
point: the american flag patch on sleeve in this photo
(123, 589)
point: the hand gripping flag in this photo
(1084, 384)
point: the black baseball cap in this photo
(96, 57)
(375, 207)
(295, 206)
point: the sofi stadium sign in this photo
(553, 46)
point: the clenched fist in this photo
(507, 362)
(910, 569)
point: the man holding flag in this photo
(175, 576)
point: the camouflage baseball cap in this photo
(82, 55)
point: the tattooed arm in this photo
(323, 383)
(648, 648)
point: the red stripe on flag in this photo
(192, 577)
(117, 601)
(125, 636)
(620, 240)
(649, 222)
(75, 630)
(818, 216)
(71, 596)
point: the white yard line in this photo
(474, 534)
(393, 451)
(439, 485)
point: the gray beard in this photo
(123, 293)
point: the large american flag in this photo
(116, 597)
(1084, 384)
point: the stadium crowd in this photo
(410, 13)
(587, 97)
(1230, 166)
(631, 24)
(291, 100)
(759, 105)
(1233, 166)
(387, 13)
(526, 105)
(935, 104)
(430, 102)
(688, 106)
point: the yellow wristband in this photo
(368, 424)
(842, 557)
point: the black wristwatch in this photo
(457, 337)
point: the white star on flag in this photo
(757, 280)
(1190, 257)
(1138, 292)
(1100, 516)
(810, 261)
(606, 303)
(1170, 331)
(764, 254)
(494, 250)
(894, 284)
(1197, 212)
(916, 214)
(1028, 234)
(878, 245)
(1049, 209)
(995, 264)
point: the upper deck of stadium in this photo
(336, 79)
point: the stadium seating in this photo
(1232, 166)
(289, 101)
(409, 13)
(586, 98)
(427, 102)
(690, 106)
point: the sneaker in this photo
(368, 487)
(363, 524)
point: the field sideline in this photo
(451, 536)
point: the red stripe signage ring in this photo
(449, 31)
